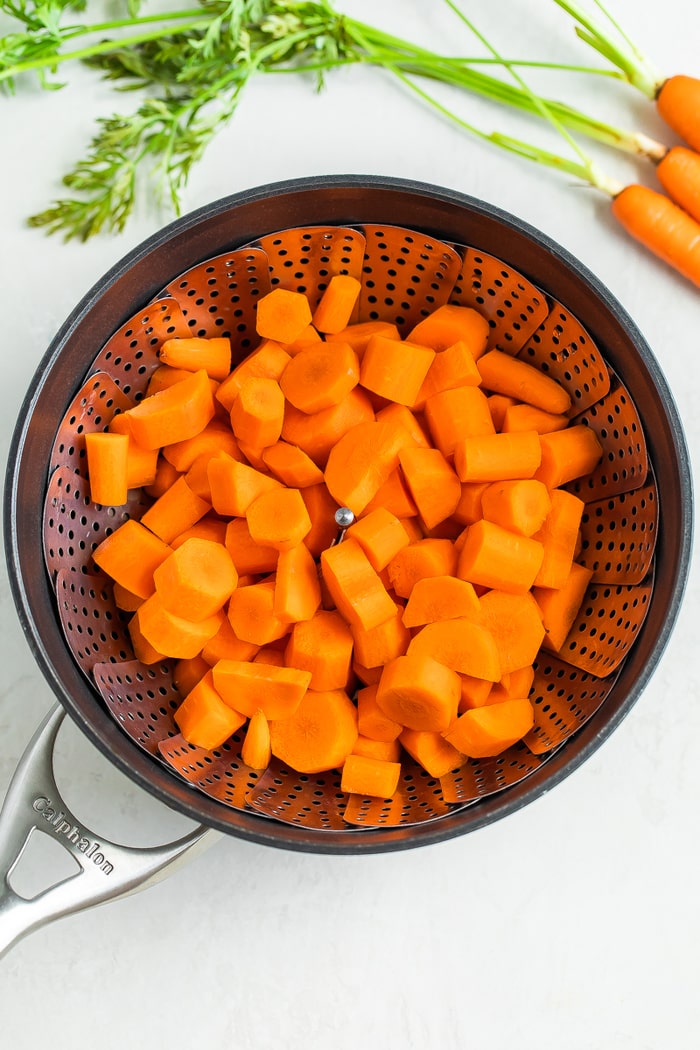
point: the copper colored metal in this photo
(405, 275)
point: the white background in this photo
(575, 922)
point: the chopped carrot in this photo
(130, 555)
(125, 599)
(432, 482)
(488, 731)
(216, 437)
(268, 361)
(514, 685)
(258, 412)
(371, 720)
(166, 475)
(193, 354)
(450, 324)
(306, 338)
(320, 377)
(226, 645)
(384, 750)
(256, 751)
(468, 510)
(515, 623)
(568, 454)
(440, 598)
(323, 646)
(187, 673)
(319, 432)
(381, 535)
(559, 536)
(504, 374)
(475, 692)
(453, 367)
(419, 692)
(319, 735)
(376, 646)
(247, 555)
(144, 652)
(174, 414)
(395, 370)
(370, 777)
(527, 417)
(176, 510)
(359, 335)
(197, 579)
(337, 303)
(282, 315)
(246, 687)
(498, 457)
(456, 414)
(278, 519)
(355, 587)
(251, 614)
(362, 460)
(427, 557)
(268, 655)
(297, 589)
(431, 751)
(204, 719)
(141, 463)
(321, 508)
(107, 458)
(496, 557)
(521, 506)
(207, 528)
(559, 607)
(235, 486)
(291, 465)
(173, 635)
(406, 418)
(394, 497)
(461, 645)
(499, 404)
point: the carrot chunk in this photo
(187, 673)
(384, 750)
(424, 558)
(278, 519)
(256, 751)
(381, 535)
(526, 417)
(558, 537)
(216, 437)
(461, 645)
(197, 579)
(247, 687)
(323, 646)
(440, 598)
(235, 486)
(370, 776)
(453, 415)
(515, 623)
(130, 555)
(453, 367)
(419, 692)
(174, 414)
(226, 645)
(521, 506)
(431, 751)
(107, 459)
(268, 362)
(320, 376)
(204, 719)
(173, 635)
(337, 303)
(257, 413)
(319, 735)
(450, 324)
(176, 510)
(247, 555)
(282, 315)
(568, 454)
(291, 465)
(358, 335)
(433, 484)
(371, 720)
(376, 646)
(504, 374)
(395, 370)
(490, 730)
(362, 460)
(317, 433)
(559, 607)
(496, 557)
(499, 457)
(297, 589)
(321, 508)
(355, 587)
(193, 354)
(251, 614)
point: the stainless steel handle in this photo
(108, 871)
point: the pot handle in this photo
(107, 872)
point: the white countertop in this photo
(573, 923)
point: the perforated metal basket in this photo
(414, 247)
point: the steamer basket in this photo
(414, 247)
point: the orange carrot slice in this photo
(355, 587)
(193, 354)
(174, 414)
(521, 506)
(496, 557)
(204, 719)
(515, 623)
(433, 484)
(461, 645)
(320, 376)
(130, 555)
(487, 731)
(282, 315)
(279, 519)
(247, 687)
(419, 692)
(197, 579)
(251, 614)
(323, 646)
(107, 461)
(337, 303)
(297, 589)
(370, 777)
(450, 324)
(441, 598)
(319, 735)
(568, 454)
(381, 535)
(371, 720)
(431, 751)
(499, 457)
(258, 412)
(560, 607)
(504, 374)
(395, 370)
(256, 751)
